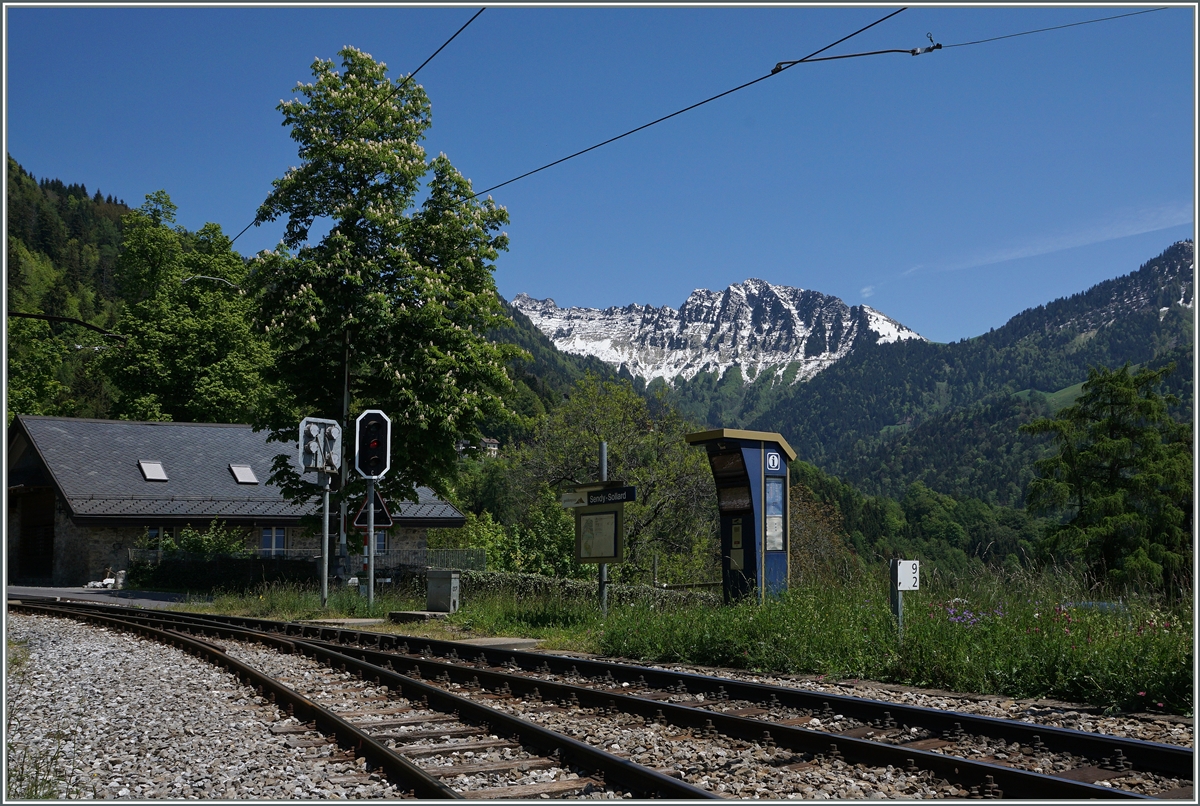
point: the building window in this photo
(380, 541)
(244, 474)
(157, 534)
(274, 541)
(152, 470)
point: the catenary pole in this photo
(325, 546)
(343, 552)
(604, 566)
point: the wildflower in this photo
(1141, 694)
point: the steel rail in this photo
(398, 769)
(1014, 782)
(617, 771)
(1159, 757)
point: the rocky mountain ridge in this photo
(754, 325)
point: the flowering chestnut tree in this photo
(394, 301)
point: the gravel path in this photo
(124, 717)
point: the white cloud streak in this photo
(1123, 224)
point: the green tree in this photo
(52, 366)
(395, 301)
(543, 542)
(190, 352)
(34, 355)
(675, 513)
(1122, 475)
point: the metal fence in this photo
(457, 559)
(691, 585)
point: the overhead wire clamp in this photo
(932, 46)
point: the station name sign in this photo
(616, 495)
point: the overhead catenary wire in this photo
(1057, 27)
(387, 98)
(677, 113)
(779, 67)
(45, 317)
(938, 46)
(809, 59)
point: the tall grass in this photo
(559, 622)
(1021, 636)
(295, 601)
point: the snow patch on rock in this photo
(754, 326)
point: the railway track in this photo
(694, 736)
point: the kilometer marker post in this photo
(905, 576)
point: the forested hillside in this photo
(891, 414)
(976, 450)
(544, 378)
(62, 252)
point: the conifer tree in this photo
(1122, 474)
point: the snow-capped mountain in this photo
(755, 326)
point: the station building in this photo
(82, 493)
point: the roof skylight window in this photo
(244, 474)
(152, 470)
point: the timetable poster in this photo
(598, 534)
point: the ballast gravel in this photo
(118, 716)
(1145, 727)
(124, 717)
(729, 767)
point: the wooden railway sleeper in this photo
(399, 770)
(1018, 783)
(1148, 752)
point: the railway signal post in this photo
(321, 450)
(372, 458)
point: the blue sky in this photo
(950, 190)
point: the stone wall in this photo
(404, 539)
(83, 554)
(12, 539)
(302, 539)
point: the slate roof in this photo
(428, 510)
(94, 466)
